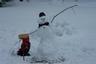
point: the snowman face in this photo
(43, 18)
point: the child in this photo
(25, 46)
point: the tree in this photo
(8, 0)
(3, 2)
(21, 0)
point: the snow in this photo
(78, 43)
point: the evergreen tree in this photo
(3, 2)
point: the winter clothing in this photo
(25, 46)
(44, 24)
(42, 14)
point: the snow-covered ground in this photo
(77, 45)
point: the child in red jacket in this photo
(25, 46)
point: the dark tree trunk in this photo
(21, 0)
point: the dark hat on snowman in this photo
(41, 14)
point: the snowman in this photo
(47, 33)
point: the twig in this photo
(33, 31)
(62, 12)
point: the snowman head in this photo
(42, 16)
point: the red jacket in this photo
(25, 44)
